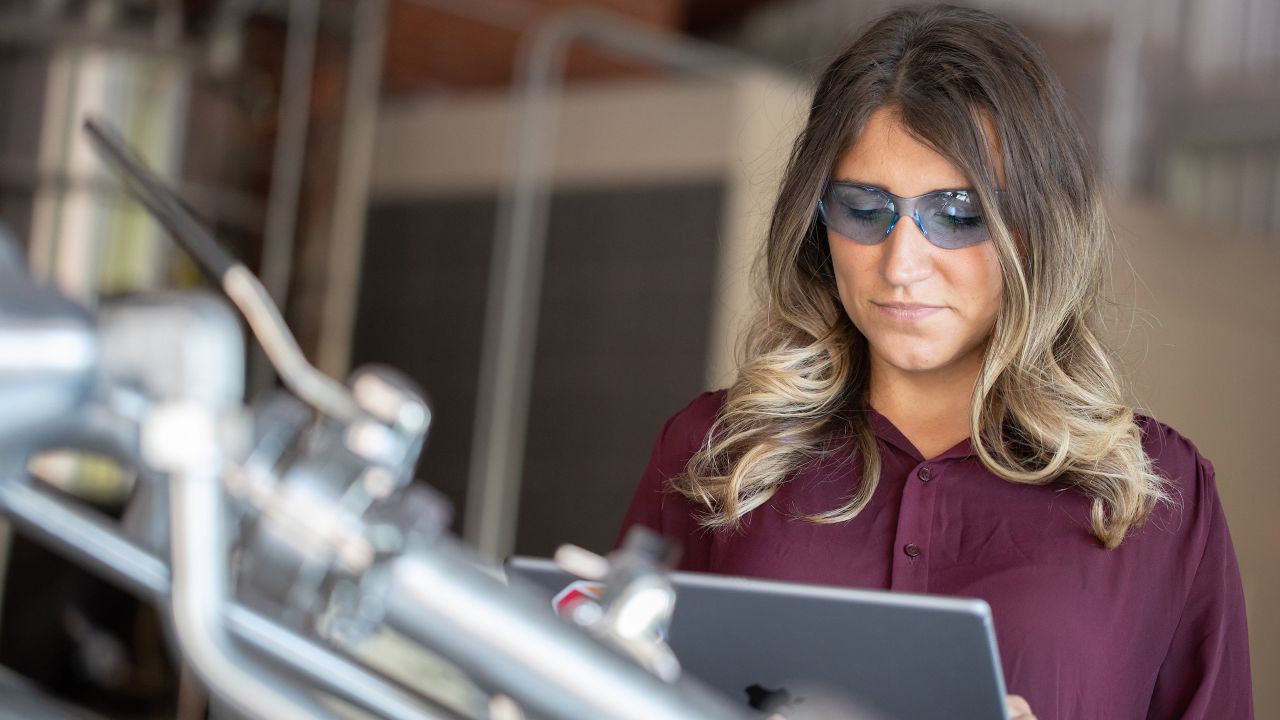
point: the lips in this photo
(907, 312)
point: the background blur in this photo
(544, 211)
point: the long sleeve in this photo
(646, 503)
(1205, 674)
(655, 505)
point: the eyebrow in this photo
(847, 181)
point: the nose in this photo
(907, 256)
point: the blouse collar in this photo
(889, 433)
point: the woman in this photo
(925, 404)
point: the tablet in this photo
(768, 644)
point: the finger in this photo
(1018, 707)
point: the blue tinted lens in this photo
(861, 214)
(950, 219)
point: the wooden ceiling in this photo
(455, 44)
(444, 44)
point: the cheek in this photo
(854, 267)
(980, 282)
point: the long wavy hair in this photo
(1048, 404)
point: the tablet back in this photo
(769, 644)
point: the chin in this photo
(922, 348)
(917, 358)
(919, 365)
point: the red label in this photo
(576, 592)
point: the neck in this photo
(930, 407)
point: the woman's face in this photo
(922, 308)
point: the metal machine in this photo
(278, 535)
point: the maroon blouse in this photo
(1152, 629)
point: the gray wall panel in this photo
(622, 341)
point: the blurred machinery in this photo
(278, 537)
(146, 68)
(231, 93)
(220, 94)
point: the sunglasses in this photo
(949, 219)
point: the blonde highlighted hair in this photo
(1048, 405)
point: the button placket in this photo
(915, 525)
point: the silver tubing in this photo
(511, 310)
(199, 595)
(519, 250)
(321, 391)
(313, 662)
(514, 643)
(301, 23)
(351, 195)
(244, 290)
(440, 600)
(279, 234)
(84, 538)
(90, 542)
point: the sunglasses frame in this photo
(901, 207)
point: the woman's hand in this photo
(1018, 708)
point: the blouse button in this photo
(924, 474)
(911, 549)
